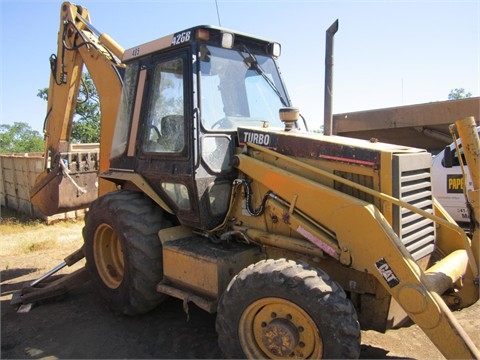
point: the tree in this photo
(20, 138)
(86, 124)
(457, 94)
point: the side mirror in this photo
(447, 157)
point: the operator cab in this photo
(184, 97)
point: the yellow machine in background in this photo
(217, 197)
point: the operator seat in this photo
(172, 129)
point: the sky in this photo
(387, 53)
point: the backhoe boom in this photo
(63, 188)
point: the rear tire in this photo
(286, 309)
(123, 251)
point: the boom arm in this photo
(79, 43)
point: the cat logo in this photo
(387, 273)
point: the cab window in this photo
(165, 128)
(234, 92)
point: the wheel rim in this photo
(278, 328)
(108, 256)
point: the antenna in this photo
(218, 14)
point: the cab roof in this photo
(205, 33)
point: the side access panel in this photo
(198, 270)
(205, 268)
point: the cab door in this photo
(165, 145)
(169, 144)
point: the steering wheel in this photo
(156, 131)
(218, 123)
(223, 123)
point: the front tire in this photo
(286, 309)
(123, 251)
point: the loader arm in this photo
(367, 243)
(60, 188)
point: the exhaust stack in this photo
(327, 114)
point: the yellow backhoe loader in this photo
(211, 192)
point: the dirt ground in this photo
(79, 325)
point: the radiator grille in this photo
(364, 180)
(412, 184)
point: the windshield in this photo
(235, 93)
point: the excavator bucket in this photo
(71, 184)
(58, 192)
